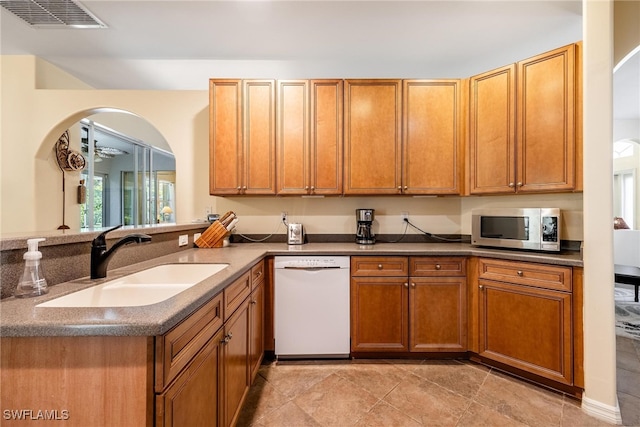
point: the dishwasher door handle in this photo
(331, 267)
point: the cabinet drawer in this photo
(175, 349)
(526, 273)
(379, 266)
(257, 274)
(236, 293)
(437, 266)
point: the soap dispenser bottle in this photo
(33, 282)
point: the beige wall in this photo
(32, 121)
(31, 197)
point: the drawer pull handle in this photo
(379, 266)
(438, 266)
(520, 273)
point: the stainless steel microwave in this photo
(519, 228)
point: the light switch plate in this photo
(183, 240)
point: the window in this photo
(131, 181)
(624, 196)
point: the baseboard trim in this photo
(599, 410)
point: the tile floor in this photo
(406, 393)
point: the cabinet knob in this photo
(254, 301)
(406, 285)
(379, 266)
(313, 188)
(259, 273)
(244, 188)
(239, 188)
(511, 184)
(520, 273)
(438, 266)
(413, 285)
(306, 187)
(481, 287)
(406, 187)
(519, 184)
(399, 188)
(227, 338)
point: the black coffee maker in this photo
(364, 233)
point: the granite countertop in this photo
(21, 317)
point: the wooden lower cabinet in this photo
(193, 399)
(418, 310)
(527, 327)
(256, 329)
(379, 314)
(437, 313)
(210, 387)
(235, 363)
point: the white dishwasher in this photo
(311, 307)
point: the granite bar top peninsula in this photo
(21, 317)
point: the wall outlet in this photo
(404, 216)
(183, 240)
(283, 215)
(196, 236)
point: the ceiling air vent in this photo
(52, 13)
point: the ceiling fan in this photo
(101, 152)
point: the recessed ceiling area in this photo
(179, 45)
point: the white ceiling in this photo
(179, 45)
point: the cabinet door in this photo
(527, 328)
(432, 141)
(256, 329)
(372, 136)
(438, 314)
(492, 132)
(225, 137)
(293, 136)
(326, 137)
(546, 122)
(193, 399)
(236, 363)
(379, 309)
(259, 137)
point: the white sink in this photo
(145, 287)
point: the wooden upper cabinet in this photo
(242, 137)
(546, 121)
(432, 138)
(293, 136)
(259, 137)
(327, 98)
(492, 131)
(225, 137)
(372, 136)
(309, 137)
(522, 129)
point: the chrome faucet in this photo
(100, 256)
